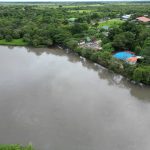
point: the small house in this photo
(91, 44)
(127, 56)
(143, 19)
(105, 27)
(72, 19)
(126, 17)
(132, 60)
(123, 55)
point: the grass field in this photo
(82, 5)
(80, 11)
(68, 6)
(15, 147)
(14, 42)
(111, 23)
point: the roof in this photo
(105, 27)
(126, 16)
(132, 59)
(72, 19)
(123, 55)
(143, 19)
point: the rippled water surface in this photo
(59, 101)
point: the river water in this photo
(59, 101)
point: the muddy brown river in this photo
(59, 101)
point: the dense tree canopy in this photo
(48, 25)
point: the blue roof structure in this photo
(123, 55)
(105, 27)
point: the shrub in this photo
(108, 47)
(142, 74)
(86, 53)
(71, 43)
(8, 38)
(15, 147)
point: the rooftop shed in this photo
(143, 19)
(72, 19)
(123, 55)
(105, 27)
(132, 60)
(125, 17)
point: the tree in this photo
(27, 38)
(79, 28)
(132, 27)
(119, 41)
(108, 47)
(94, 16)
(137, 49)
(142, 74)
(16, 34)
(124, 40)
(146, 48)
(145, 51)
(49, 42)
(113, 32)
(8, 38)
(72, 44)
(1, 36)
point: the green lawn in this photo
(111, 23)
(72, 6)
(80, 11)
(82, 5)
(14, 42)
(15, 147)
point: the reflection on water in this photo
(60, 101)
(112, 78)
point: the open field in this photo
(111, 23)
(14, 42)
(81, 11)
(72, 6)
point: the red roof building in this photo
(143, 19)
(132, 60)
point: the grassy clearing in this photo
(111, 23)
(42, 7)
(81, 11)
(14, 42)
(82, 5)
(15, 147)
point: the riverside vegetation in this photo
(41, 25)
(15, 147)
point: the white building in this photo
(126, 17)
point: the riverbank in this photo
(134, 73)
(15, 147)
(14, 42)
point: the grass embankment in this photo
(111, 23)
(14, 42)
(15, 147)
